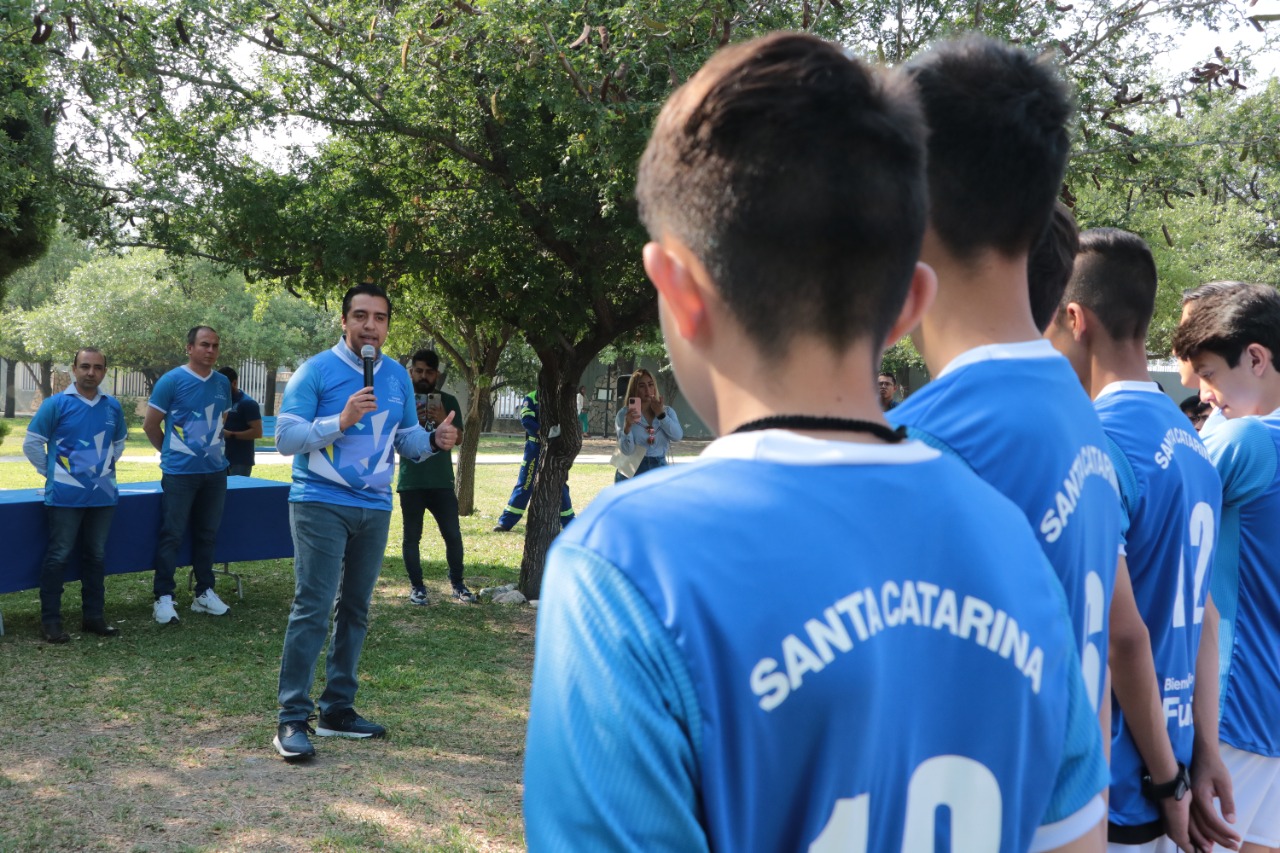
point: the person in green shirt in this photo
(428, 486)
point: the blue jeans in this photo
(646, 464)
(195, 499)
(90, 525)
(337, 555)
(443, 506)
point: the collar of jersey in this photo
(1129, 385)
(354, 361)
(1001, 352)
(789, 448)
(187, 368)
(71, 389)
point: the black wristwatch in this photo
(1177, 787)
(435, 448)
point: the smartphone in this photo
(433, 400)
(634, 404)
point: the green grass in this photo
(160, 739)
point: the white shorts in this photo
(1159, 845)
(1255, 785)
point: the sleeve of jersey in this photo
(611, 751)
(39, 432)
(1128, 487)
(298, 429)
(252, 412)
(162, 394)
(1076, 804)
(122, 432)
(1245, 455)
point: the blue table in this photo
(255, 526)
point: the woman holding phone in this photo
(646, 423)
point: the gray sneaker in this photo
(464, 595)
(418, 596)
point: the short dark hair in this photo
(890, 376)
(195, 330)
(1226, 322)
(1193, 405)
(1115, 278)
(1049, 266)
(427, 356)
(230, 373)
(998, 143)
(75, 359)
(1209, 288)
(795, 173)
(366, 287)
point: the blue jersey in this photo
(1246, 581)
(1016, 415)
(1172, 501)
(355, 466)
(83, 439)
(192, 406)
(746, 653)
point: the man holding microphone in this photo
(344, 412)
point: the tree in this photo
(29, 289)
(28, 209)
(486, 152)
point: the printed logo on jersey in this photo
(1175, 438)
(84, 465)
(1091, 461)
(918, 603)
(362, 461)
(199, 435)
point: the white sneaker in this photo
(164, 611)
(208, 602)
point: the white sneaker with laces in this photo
(164, 611)
(208, 602)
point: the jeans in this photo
(240, 470)
(646, 464)
(443, 505)
(196, 499)
(337, 555)
(90, 525)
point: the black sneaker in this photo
(464, 595)
(291, 740)
(347, 723)
(53, 633)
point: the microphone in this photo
(368, 353)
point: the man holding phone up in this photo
(428, 486)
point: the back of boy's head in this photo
(795, 174)
(1209, 288)
(1050, 263)
(1230, 319)
(1115, 278)
(998, 143)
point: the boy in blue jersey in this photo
(699, 682)
(1001, 399)
(1232, 340)
(343, 435)
(191, 402)
(1172, 501)
(74, 440)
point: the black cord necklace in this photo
(820, 423)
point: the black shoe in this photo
(347, 723)
(53, 633)
(461, 593)
(291, 740)
(100, 627)
(498, 528)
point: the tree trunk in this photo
(10, 384)
(46, 380)
(557, 393)
(269, 404)
(477, 401)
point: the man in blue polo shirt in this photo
(242, 427)
(1232, 341)
(74, 440)
(1172, 501)
(698, 684)
(343, 435)
(184, 422)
